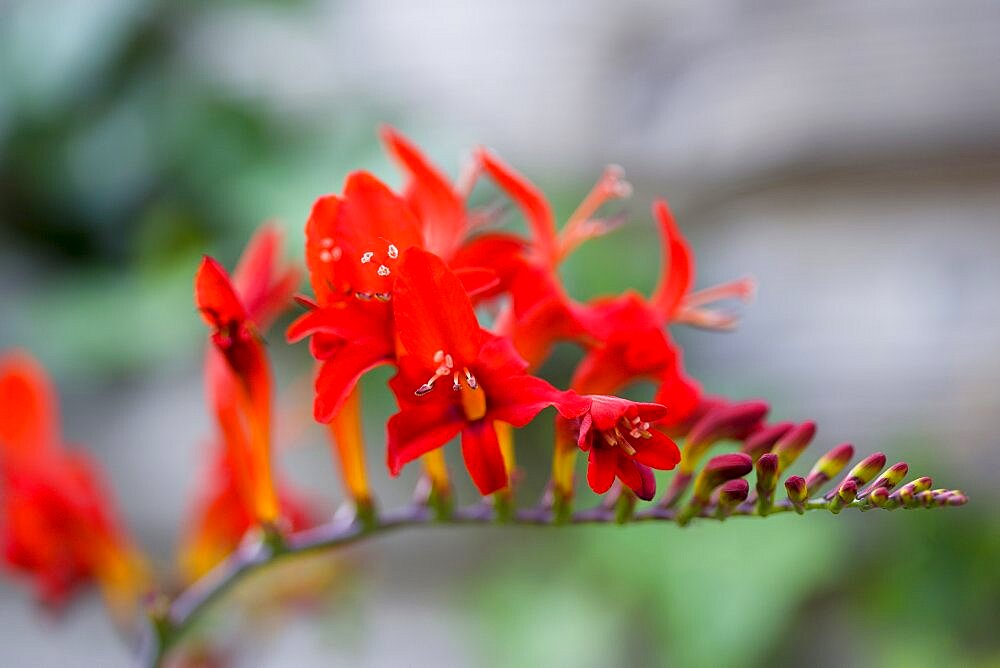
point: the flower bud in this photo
(845, 495)
(879, 497)
(828, 466)
(734, 421)
(791, 445)
(795, 488)
(892, 476)
(767, 480)
(719, 470)
(731, 494)
(763, 439)
(906, 494)
(863, 471)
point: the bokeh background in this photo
(846, 154)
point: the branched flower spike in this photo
(403, 280)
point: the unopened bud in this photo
(906, 494)
(845, 495)
(828, 466)
(734, 421)
(791, 445)
(879, 497)
(864, 471)
(718, 470)
(795, 488)
(892, 477)
(763, 439)
(767, 480)
(731, 494)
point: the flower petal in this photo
(418, 429)
(430, 194)
(339, 373)
(659, 451)
(677, 277)
(28, 408)
(215, 296)
(637, 477)
(529, 198)
(483, 457)
(433, 312)
(601, 467)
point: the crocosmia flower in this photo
(58, 521)
(454, 377)
(621, 443)
(238, 374)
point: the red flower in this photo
(221, 516)
(59, 523)
(617, 434)
(238, 374)
(454, 377)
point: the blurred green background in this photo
(842, 153)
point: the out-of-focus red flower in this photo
(454, 377)
(238, 374)
(222, 517)
(58, 521)
(621, 443)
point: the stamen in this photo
(383, 296)
(439, 357)
(470, 379)
(326, 242)
(367, 257)
(325, 256)
(455, 385)
(393, 251)
(363, 296)
(424, 389)
(383, 270)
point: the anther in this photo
(423, 389)
(471, 380)
(367, 257)
(383, 270)
(326, 242)
(393, 251)
(325, 256)
(383, 296)
(363, 296)
(455, 385)
(439, 357)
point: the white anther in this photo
(393, 251)
(439, 357)
(367, 257)
(449, 361)
(326, 242)
(383, 270)
(324, 256)
(337, 252)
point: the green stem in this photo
(168, 627)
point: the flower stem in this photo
(168, 624)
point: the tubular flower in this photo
(238, 374)
(621, 443)
(454, 377)
(58, 522)
(222, 517)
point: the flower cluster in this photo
(466, 313)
